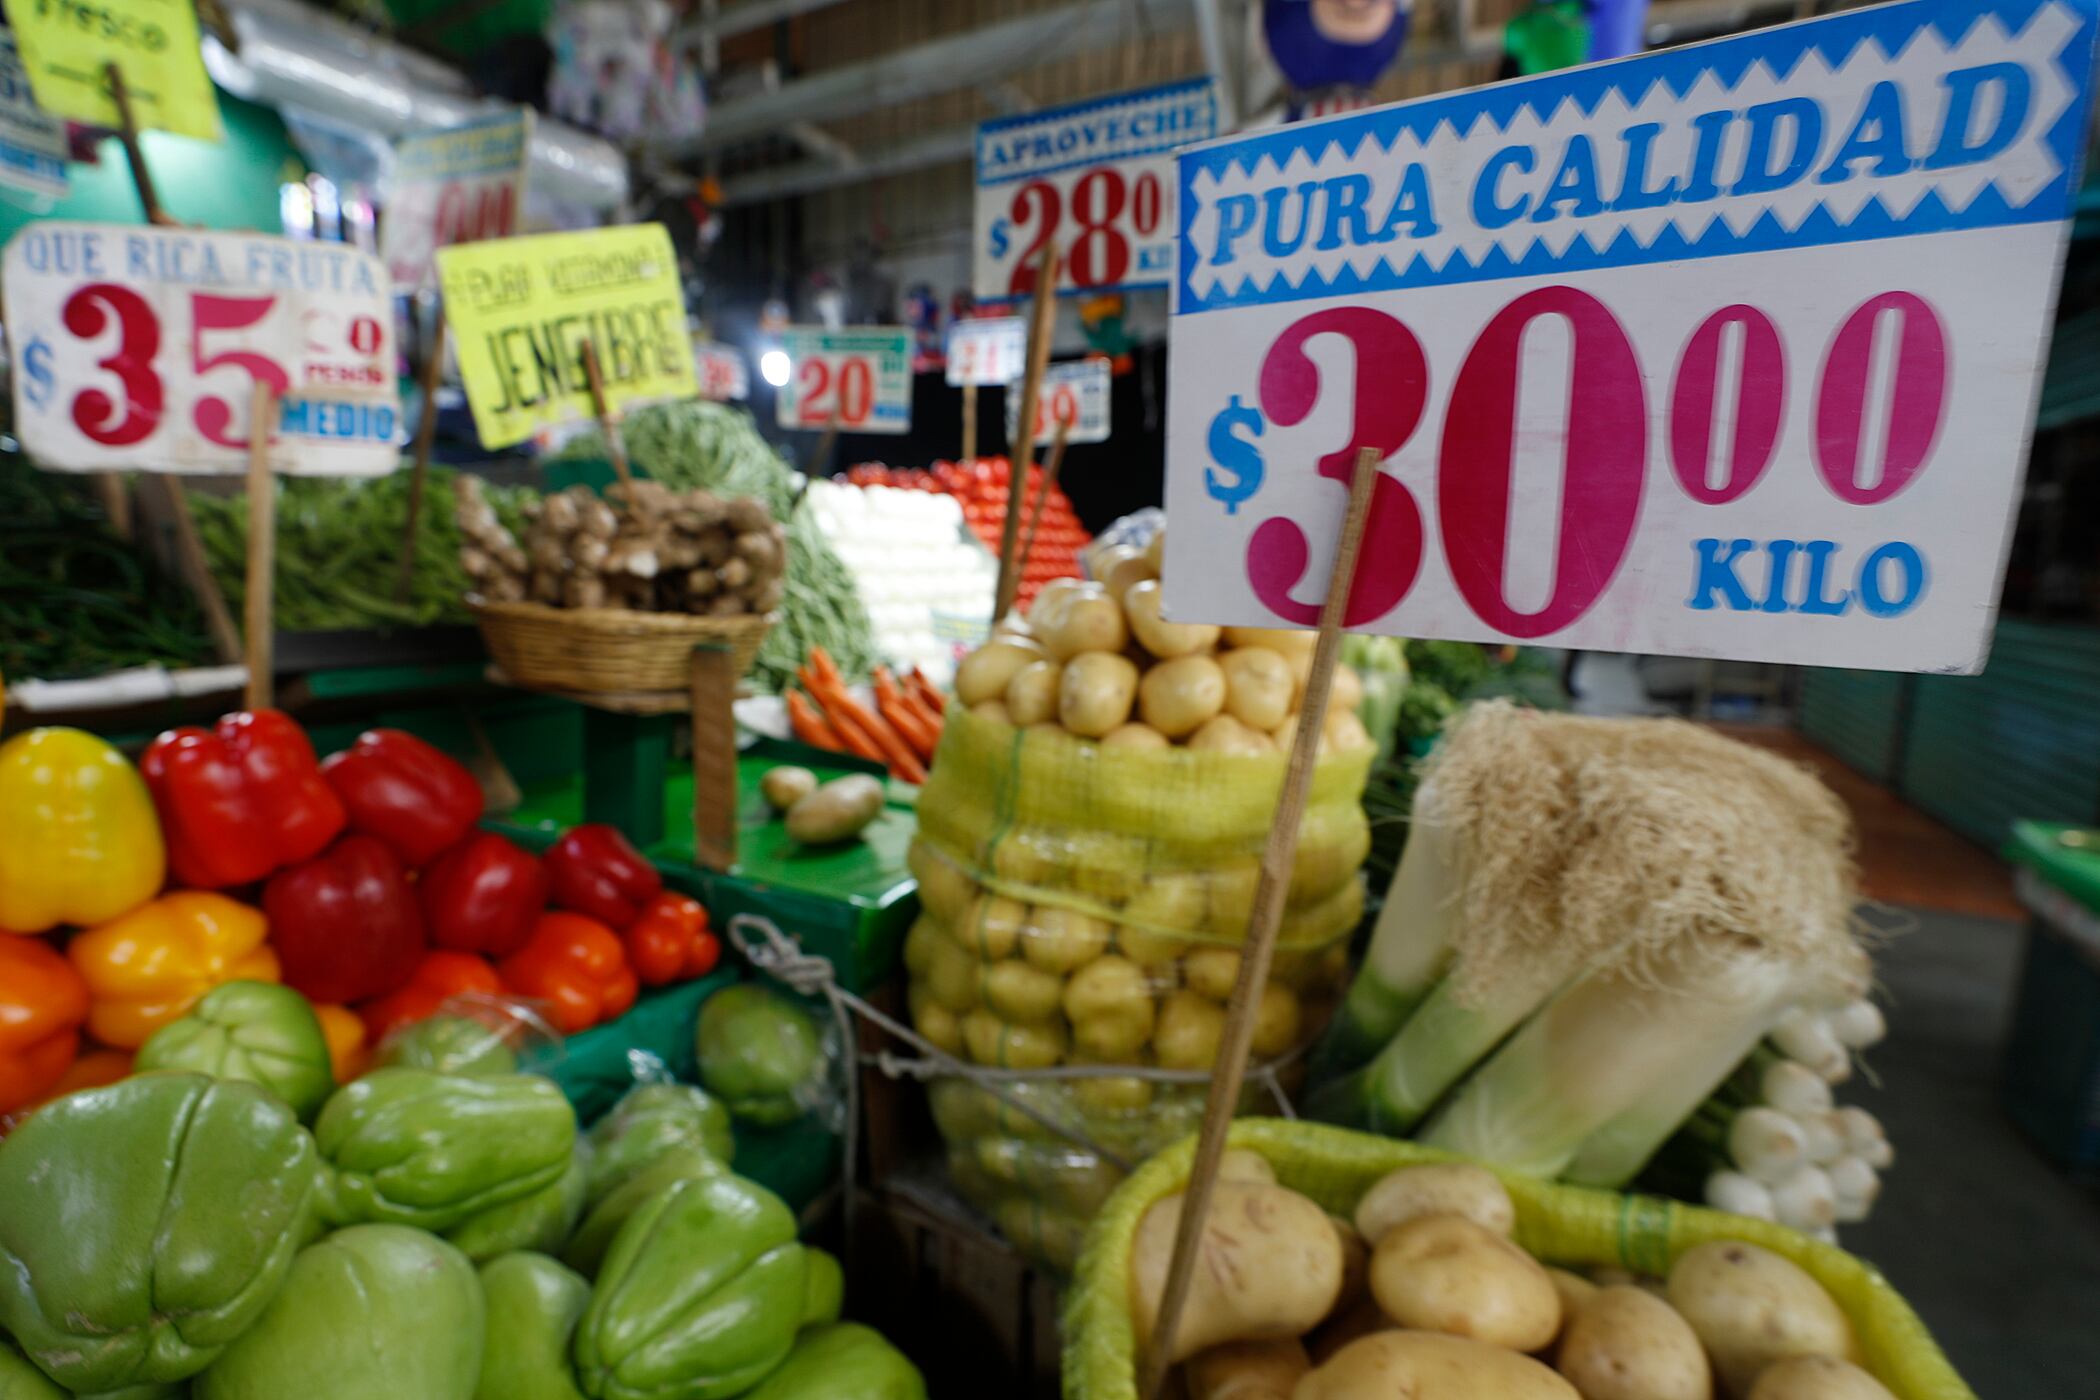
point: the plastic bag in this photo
(475, 1033)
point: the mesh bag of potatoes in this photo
(1088, 848)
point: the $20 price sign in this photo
(1729, 368)
(143, 348)
(859, 378)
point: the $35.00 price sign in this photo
(144, 347)
(859, 377)
(1075, 393)
(1706, 363)
(1096, 179)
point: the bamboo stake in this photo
(820, 459)
(714, 681)
(969, 434)
(1256, 954)
(114, 493)
(1042, 319)
(615, 447)
(191, 562)
(426, 429)
(128, 134)
(1035, 512)
(262, 553)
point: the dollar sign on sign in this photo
(36, 371)
(1235, 454)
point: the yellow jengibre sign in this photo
(521, 309)
(68, 45)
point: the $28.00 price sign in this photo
(1075, 392)
(859, 377)
(143, 348)
(1096, 179)
(1708, 363)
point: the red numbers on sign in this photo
(1917, 393)
(1146, 203)
(468, 216)
(1604, 459)
(1391, 390)
(854, 386)
(1101, 204)
(1100, 254)
(1036, 202)
(1760, 400)
(87, 314)
(214, 416)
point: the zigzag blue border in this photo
(1782, 48)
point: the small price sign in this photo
(465, 184)
(859, 377)
(1075, 393)
(986, 350)
(1695, 366)
(142, 348)
(1095, 178)
(722, 372)
(33, 150)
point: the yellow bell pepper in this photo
(149, 967)
(79, 843)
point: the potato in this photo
(1212, 971)
(1101, 559)
(1425, 1366)
(992, 710)
(1059, 940)
(1094, 694)
(838, 811)
(1356, 1263)
(1088, 620)
(1268, 1267)
(1050, 601)
(939, 1025)
(1751, 1308)
(1435, 1188)
(952, 976)
(1126, 574)
(945, 890)
(1188, 1032)
(1224, 734)
(1020, 992)
(1257, 687)
(1277, 1019)
(1627, 1344)
(1165, 640)
(1574, 1291)
(1290, 641)
(1347, 691)
(1117, 1094)
(1031, 696)
(1113, 1037)
(1817, 1378)
(1347, 1323)
(1156, 551)
(1108, 986)
(992, 1041)
(1157, 953)
(1248, 1370)
(1286, 734)
(1245, 1164)
(786, 785)
(1344, 732)
(992, 925)
(985, 673)
(1178, 696)
(1135, 736)
(1169, 899)
(1444, 1273)
(920, 946)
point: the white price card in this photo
(1095, 178)
(1730, 350)
(859, 377)
(465, 184)
(143, 348)
(986, 350)
(722, 372)
(1076, 393)
(33, 148)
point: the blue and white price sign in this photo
(1729, 350)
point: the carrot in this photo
(811, 727)
(890, 703)
(821, 664)
(919, 710)
(847, 713)
(927, 693)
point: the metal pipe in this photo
(1210, 32)
(809, 176)
(741, 19)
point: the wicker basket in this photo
(607, 649)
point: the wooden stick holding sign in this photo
(1042, 320)
(1035, 512)
(1260, 946)
(969, 434)
(260, 622)
(714, 757)
(426, 429)
(134, 155)
(820, 460)
(615, 446)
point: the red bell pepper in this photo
(483, 895)
(417, 799)
(437, 979)
(671, 941)
(239, 800)
(345, 924)
(576, 966)
(595, 870)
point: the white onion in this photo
(1823, 1137)
(1739, 1195)
(1766, 1144)
(1804, 1035)
(1858, 1024)
(1857, 1185)
(1792, 1087)
(1806, 1199)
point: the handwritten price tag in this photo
(1075, 393)
(1720, 370)
(461, 185)
(143, 348)
(860, 377)
(1096, 178)
(722, 373)
(986, 350)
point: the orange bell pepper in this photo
(344, 1030)
(575, 965)
(671, 942)
(91, 1071)
(440, 975)
(79, 843)
(149, 967)
(42, 1003)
